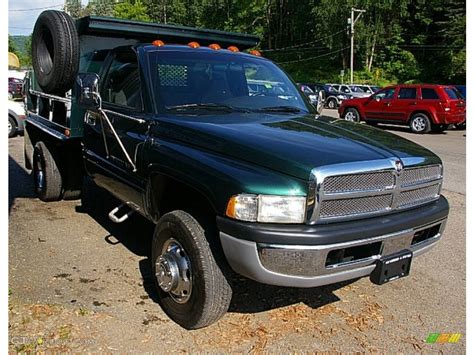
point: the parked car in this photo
(15, 86)
(422, 107)
(312, 96)
(317, 88)
(16, 116)
(368, 89)
(333, 96)
(349, 90)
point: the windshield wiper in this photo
(210, 106)
(291, 109)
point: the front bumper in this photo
(310, 256)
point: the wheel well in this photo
(423, 112)
(166, 194)
(355, 108)
(14, 118)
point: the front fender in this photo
(215, 176)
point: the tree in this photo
(132, 10)
(74, 8)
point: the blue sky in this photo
(21, 22)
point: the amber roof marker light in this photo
(233, 48)
(215, 46)
(158, 43)
(255, 52)
(194, 45)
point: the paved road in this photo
(79, 282)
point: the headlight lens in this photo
(267, 208)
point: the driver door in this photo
(377, 107)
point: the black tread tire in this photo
(355, 112)
(211, 293)
(332, 103)
(72, 179)
(45, 157)
(427, 128)
(460, 126)
(14, 127)
(55, 51)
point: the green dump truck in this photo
(215, 145)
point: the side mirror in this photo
(86, 91)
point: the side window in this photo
(385, 94)
(344, 89)
(407, 93)
(429, 94)
(122, 85)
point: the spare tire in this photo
(55, 51)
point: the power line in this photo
(318, 56)
(303, 44)
(37, 8)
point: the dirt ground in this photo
(78, 282)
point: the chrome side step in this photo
(115, 219)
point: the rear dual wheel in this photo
(47, 179)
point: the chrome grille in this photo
(417, 196)
(359, 205)
(359, 182)
(413, 176)
(353, 190)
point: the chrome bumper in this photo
(307, 265)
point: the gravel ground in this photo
(79, 282)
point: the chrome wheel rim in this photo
(419, 124)
(173, 271)
(331, 104)
(350, 116)
(39, 174)
(10, 127)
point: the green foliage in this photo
(395, 40)
(21, 46)
(132, 10)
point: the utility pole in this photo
(352, 22)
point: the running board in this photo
(116, 219)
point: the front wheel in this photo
(352, 115)
(193, 290)
(420, 123)
(12, 127)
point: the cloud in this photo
(22, 22)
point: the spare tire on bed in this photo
(55, 51)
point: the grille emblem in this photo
(398, 166)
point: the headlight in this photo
(267, 208)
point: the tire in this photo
(460, 126)
(55, 51)
(47, 179)
(332, 104)
(420, 123)
(12, 127)
(352, 115)
(205, 294)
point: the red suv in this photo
(422, 107)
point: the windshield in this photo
(190, 81)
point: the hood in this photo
(292, 145)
